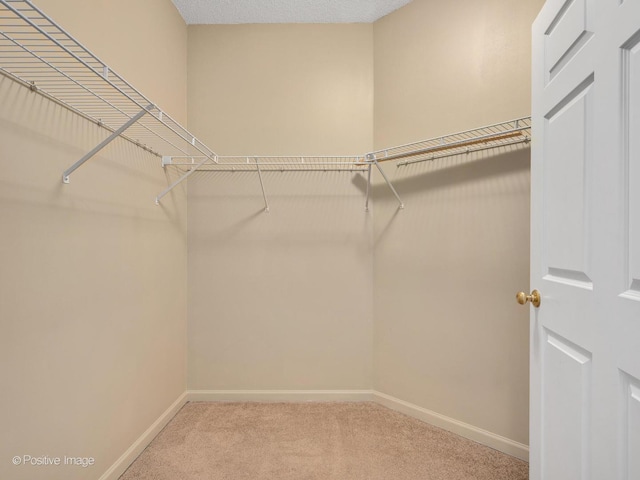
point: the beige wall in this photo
(280, 300)
(448, 334)
(443, 67)
(93, 276)
(282, 89)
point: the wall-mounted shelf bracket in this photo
(371, 158)
(264, 195)
(195, 167)
(366, 202)
(105, 142)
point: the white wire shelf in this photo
(501, 134)
(38, 53)
(271, 163)
(491, 136)
(261, 164)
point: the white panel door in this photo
(585, 241)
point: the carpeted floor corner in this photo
(313, 441)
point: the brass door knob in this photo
(534, 298)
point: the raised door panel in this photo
(567, 33)
(565, 408)
(630, 427)
(568, 140)
(631, 149)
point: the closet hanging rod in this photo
(497, 128)
(495, 133)
(492, 136)
(430, 158)
(465, 143)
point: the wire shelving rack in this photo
(37, 53)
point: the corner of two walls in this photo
(285, 300)
(93, 278)
(449, 336)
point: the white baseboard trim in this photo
(479, 435)
(280, 395)
(127, 458)
(476, 434)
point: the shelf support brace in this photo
(264, 195)
(373, 159)
(183, 178)
(366, 202)
(105, 142)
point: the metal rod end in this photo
(157, 201)
(402, 206)
(266, 210)
(65, 178)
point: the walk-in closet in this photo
(220, 218)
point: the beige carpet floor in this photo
(313, 441)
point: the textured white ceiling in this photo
(285, 11)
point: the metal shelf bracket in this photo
(371, 158)
(366, 202)
(264, 195)
(105, 142)
(183, 177)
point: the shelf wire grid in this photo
(353, 163)
(38, 53)
(491, 136)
